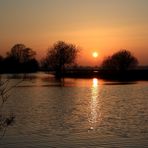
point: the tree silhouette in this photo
(20, 59)
(20, 53)
(120, 61)
(60, 55)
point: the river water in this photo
(76, 113)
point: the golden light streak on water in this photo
(94, 103)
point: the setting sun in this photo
(95, 54)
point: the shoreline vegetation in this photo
(91, 72)
(130, 75)
(60, 61)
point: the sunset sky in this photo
(104, 26)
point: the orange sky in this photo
(93, 25)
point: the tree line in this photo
(21, 59)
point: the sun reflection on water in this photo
(95, 82)
(94, 103)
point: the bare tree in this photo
(60, 55)
(20, 59)
(21, 53)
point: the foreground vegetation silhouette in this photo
(6, 119)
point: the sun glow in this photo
(95, 54)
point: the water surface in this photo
(76, 113)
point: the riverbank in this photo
(129, 75)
